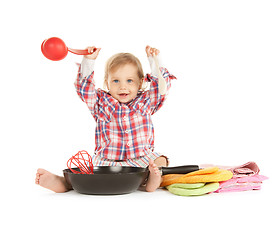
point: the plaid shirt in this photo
(123, 131)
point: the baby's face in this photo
(124, 83)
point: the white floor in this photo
(35, 212)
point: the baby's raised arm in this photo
(87, 65)
(84, 84)
(153, 56)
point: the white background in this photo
(219, 111)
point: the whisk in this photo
(83, 161)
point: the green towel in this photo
(192, 189)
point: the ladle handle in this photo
(80, 51)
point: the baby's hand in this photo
(151, 51)
(94, 52)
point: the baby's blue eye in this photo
(115, 81)
(129, 80)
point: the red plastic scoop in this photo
(55, 49)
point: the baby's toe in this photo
(41, 171)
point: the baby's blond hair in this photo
(120, 59)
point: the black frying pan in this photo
(108, 180)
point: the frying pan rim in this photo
(144, 170)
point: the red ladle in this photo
(55, 49)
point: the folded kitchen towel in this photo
(246, 169)
(253, 182)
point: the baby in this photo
(124, 134)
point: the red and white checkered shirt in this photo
(123, 131)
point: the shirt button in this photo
(127, 131)
(124, 118)
(129, 144)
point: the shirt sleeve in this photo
(87, 67)
(85, 88)
(156, 99)
(153, 66)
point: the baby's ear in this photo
(143, 84)
(106, 85)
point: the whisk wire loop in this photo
(82, 161)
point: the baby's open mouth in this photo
(123, 94)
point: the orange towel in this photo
(212, 174)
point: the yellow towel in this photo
(212, 174)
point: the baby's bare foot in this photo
(50, 181)
(154, 179)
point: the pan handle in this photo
(180, 169)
